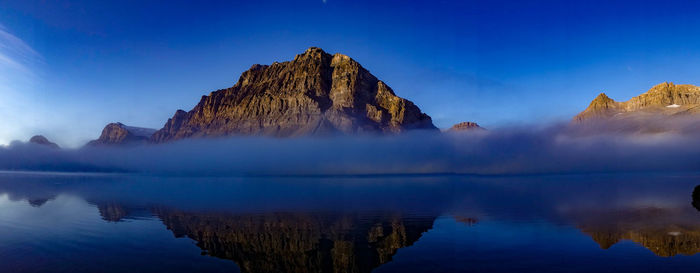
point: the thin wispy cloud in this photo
(15, 54)
(17, 77)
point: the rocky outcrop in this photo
(41, 140)
(298, 242)
(601, 107)
(665, 99)
(120, 134)
(314, 94)
(465, 126)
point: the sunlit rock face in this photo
(120, 134)
(314, 94)
(665, 107)
(664, 231)
(466, 126)
(298, 242)
(41, 140)
(666, 99)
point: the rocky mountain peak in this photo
(601, 106)
(314, 94)
(120, 134)
(41, 140)
(465, 126)
(602, 99)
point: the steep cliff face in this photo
(666, 99)
(120, 134)
(298, 242)
(664, 95)
(314, 94)
(41, 140)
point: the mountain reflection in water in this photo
(292, 242)
(387, 224)
(666, 232)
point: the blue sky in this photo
(67, 68)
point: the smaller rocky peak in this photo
(41, 140)
(465, 126)
(602, 98)
(119, 134)
(601, 102)
(601, 106)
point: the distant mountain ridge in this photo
(665, 99)
(314, 94)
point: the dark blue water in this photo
(131, 223)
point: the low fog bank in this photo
(555, 148)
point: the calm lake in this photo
(136, 223)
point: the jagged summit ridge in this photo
(315, 94)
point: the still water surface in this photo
(132, 223)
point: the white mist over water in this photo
(531, 150)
